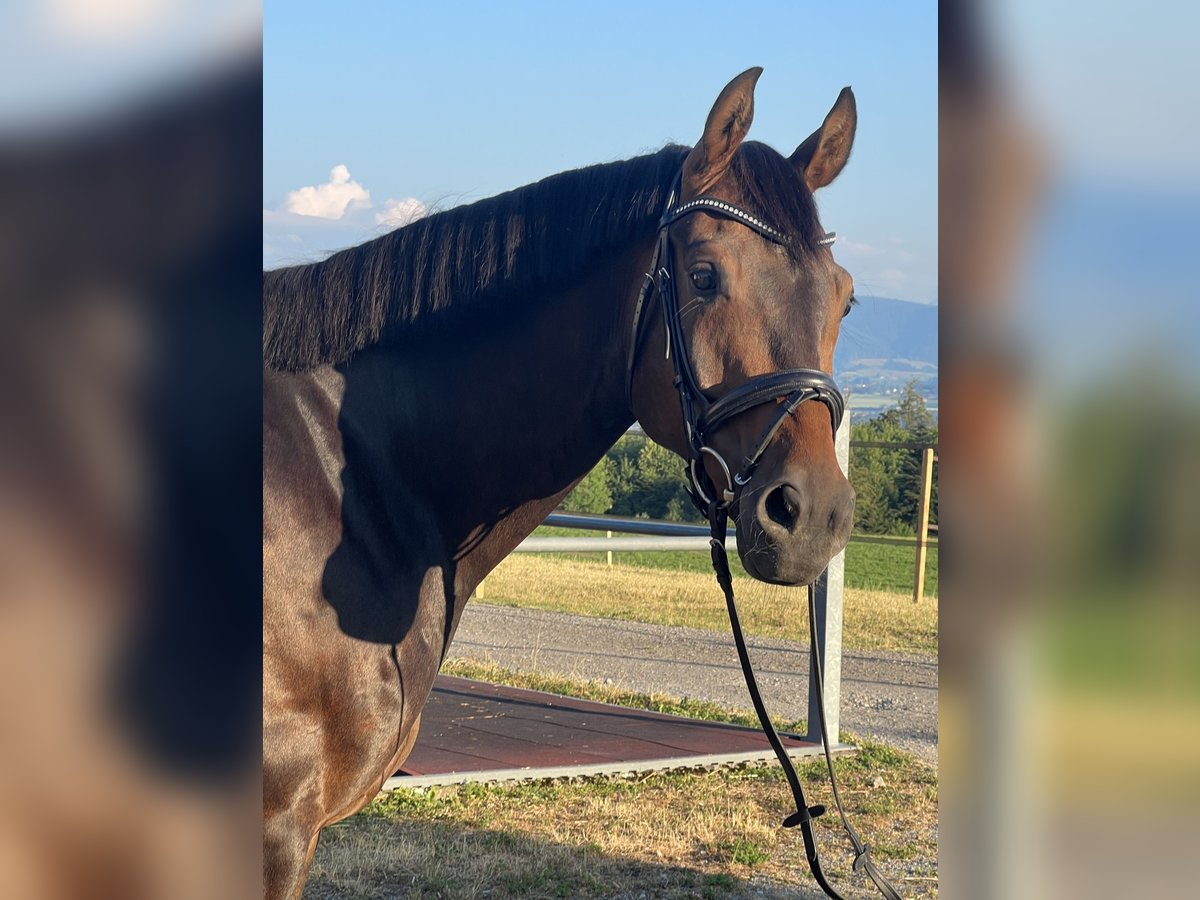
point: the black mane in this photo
(480, 256)
(770, 187)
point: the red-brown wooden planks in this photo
(471, 726)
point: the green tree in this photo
(622, 475)
(592, 494)
(678, 509)
(908, 480)
(910, 411)
(873, 473)
(659, 481)
(914, 417)
(642, 479)
(888, 481)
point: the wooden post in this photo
(923, 523)
(609, 533)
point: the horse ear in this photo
(723, 133)
(824, 153)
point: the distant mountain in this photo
(885, 344)
(882, 333)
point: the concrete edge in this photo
(632, 767)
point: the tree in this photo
(888, 481)
(622, 476)
(636, 477)
(910, 411)
(908, 480)
(914, 417)
(659, 481)
(873, 473)
(592, 494)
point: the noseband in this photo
(702, 417)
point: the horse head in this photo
(756, 292)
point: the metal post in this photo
(828, 598)
(923, 523)
(608, 534)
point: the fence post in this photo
(828, 597)
(609, 535)
(923, 523)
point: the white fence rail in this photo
(653, 535)
(616, 545)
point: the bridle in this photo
(702, 418)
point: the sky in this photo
(378, 112)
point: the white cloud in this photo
(329, 200)
(396, 213)
(316, 220)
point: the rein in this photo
(703, 418)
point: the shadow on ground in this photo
(371, 857)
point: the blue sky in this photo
(422, 105)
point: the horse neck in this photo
(488, 430)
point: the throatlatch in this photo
(703, 418)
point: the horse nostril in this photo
(782, 506)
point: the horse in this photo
(431, 395)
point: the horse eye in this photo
(850, 304)
(704, 279)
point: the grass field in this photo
(713, 834)
(876, 620)
(872, 567)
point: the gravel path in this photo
(885, 695)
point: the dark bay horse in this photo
(430, 396)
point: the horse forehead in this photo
(734, 243)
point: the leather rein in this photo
(788, 388)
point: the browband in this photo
(721, 208)
(729, 211)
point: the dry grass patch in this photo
(873, 620)
(671, 836)
(711, 834)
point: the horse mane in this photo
(448, 268)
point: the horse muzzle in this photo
(789, 529)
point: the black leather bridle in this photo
(702, 418)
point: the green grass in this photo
(747, 853)
(871, 567)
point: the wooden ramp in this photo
(474, 731)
